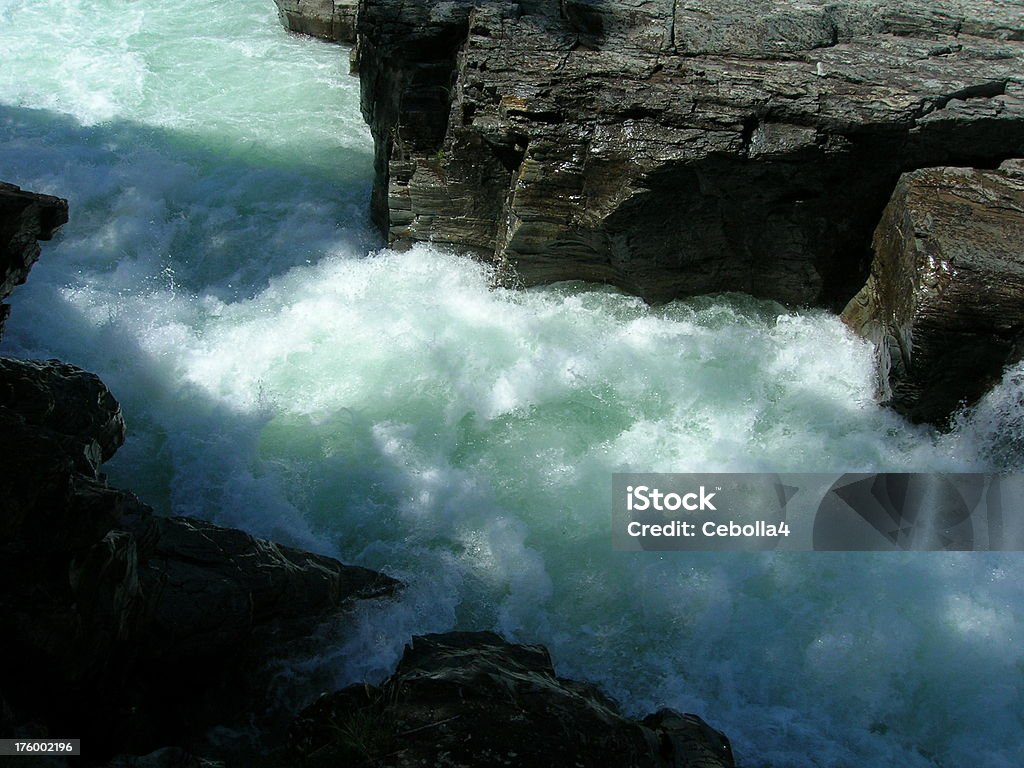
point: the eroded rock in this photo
(678, 148)
(211, 589)
(944, 304)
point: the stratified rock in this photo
(678, 147)
(333, 20)
(25, 219)
(474, 699)
(944, 304)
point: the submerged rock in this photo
(474, 699)
(944, 304)
(25, 219)
(678, 148)
(333, 20)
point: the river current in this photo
(282, 372)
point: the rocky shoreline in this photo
(140, 634)
(133, 630)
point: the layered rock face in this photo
(678, 147)
(25, 219)
(333, 20)
(944, 304)
(467, 699)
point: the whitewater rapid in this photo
(280, 371)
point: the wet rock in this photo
(25, 219)
(473, 699)
(333, 20)
(678, 148)
(944, 304)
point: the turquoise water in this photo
(282, 372)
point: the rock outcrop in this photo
(678, 147)
(944, 304)
(333, 20)
(473, 699)
(25, 219)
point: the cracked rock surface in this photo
(678, 147)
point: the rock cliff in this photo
(678, 147)
(944, 304)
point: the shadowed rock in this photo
(58, 424)
(944, 304)
(472, 699)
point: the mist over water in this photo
(282, 373)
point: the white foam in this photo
(394, 409)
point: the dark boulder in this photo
(25, 219)
(944, 304)
(473, 699)
(678, 148)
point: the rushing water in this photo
(281, 374)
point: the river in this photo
(283, 372)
